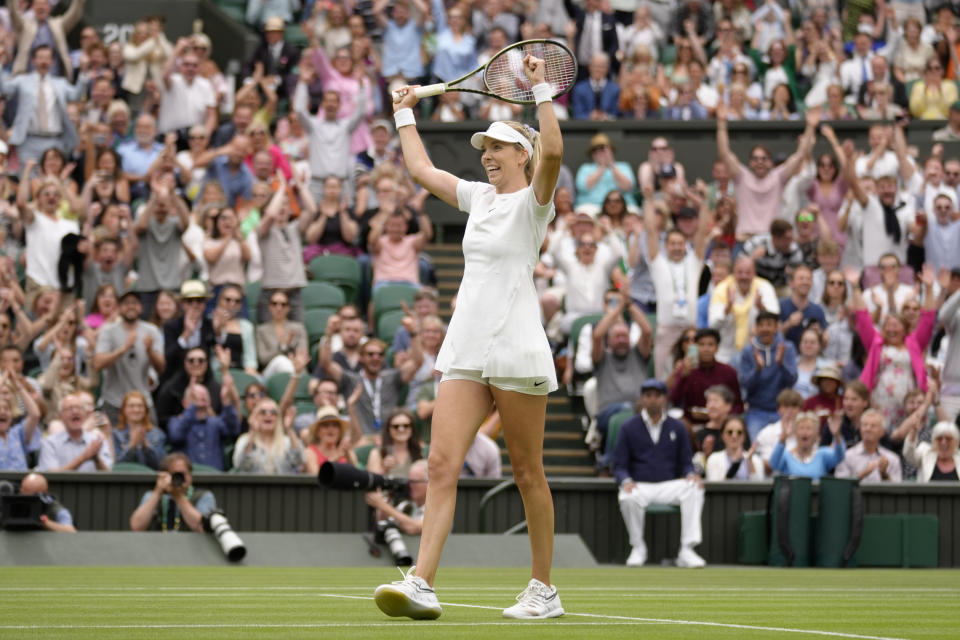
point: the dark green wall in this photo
(694, 143)
(587, 507)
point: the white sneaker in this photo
(638, 557)
(411, 597)
(537, 601)
(688, 559)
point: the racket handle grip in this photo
(424, 92)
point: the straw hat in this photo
(328, 414)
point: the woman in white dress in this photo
(495, 349)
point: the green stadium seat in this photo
(315, 321)
(388, 324)
(204, 468)
(391, 297)
(363, 454)
(613, 427)
(277, 384)
(242, 380)
(343, 271)
(252, 294)
(322, 295)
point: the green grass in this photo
(610, 603)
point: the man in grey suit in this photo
(41, 121)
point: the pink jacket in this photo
(916, 342)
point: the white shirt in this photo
(886, 165)
(852, 73)
(43, 237)
(866, 229)
(931, 192)
(183, 105)
(676, 284)
(53, 114)
(768, 438)
(653, 428)
(903, 293)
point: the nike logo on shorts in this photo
(537, 384)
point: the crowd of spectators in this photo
(802, 314)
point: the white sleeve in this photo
(466, 191)
(583, 363)
(769, 296)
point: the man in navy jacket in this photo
(653, 464)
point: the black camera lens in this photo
(177, 479)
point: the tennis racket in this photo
(503, 76)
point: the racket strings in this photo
(505, 77)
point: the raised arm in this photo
(551, 142)
(807, 139)
(723, 143)
(438, 182)
(650, 226)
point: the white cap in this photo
(502, 132)
(4, 150)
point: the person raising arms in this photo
(495, 348)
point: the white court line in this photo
(292, 625)
(608, 620)
(620, 591)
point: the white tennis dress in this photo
(496, 327)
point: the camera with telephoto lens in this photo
(388, 533)
(217, 525)
(336, 475)
(177, 479)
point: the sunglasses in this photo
(734, 432)
(805, 217)
(268, 412)
(838, 283)
(373, 354)
(196, 360)
(401, 425)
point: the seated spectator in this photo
(424, 305)
(275, 55)
(775, 255)
(618, 367)
(789, 404)
(55, 516)
(732, 462)
(140, 155)
(652, 464)
(17, 440)
(912, 54)
(126, 353)
(173, 506)
(586, 279)
(278, 339)
(81, 446)
(603, 174)
(697, 372)
(895, 362)
(881, 107)
(597, 96)
(659, 155)
(809, 360)
(782, 106)
(381, 385)
(271, 446)
(399, 445)
(735, 306)
(188, 330)
(868, 461)
(396, 255)
(767, 365)
(686, 106)
(760, 188)
(797, 311)
(234, 333)
(707, 436)
(328, 440)
(931, 97)
(198, 431)
(804, 459)
(941, 238)
(432, 332)
(951, 131)
(135, 439)
(828, 381)
(335, 229)
(938, 461)
(62, 376)
(483, 459)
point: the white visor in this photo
(502, 132)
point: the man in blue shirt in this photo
(653, 464)
(767, 366)
(797, 312)
(199, 432)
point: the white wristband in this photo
(404, 117)
(542, 92)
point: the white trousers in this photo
(681, 492)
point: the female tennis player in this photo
(495, 349)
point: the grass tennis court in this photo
(609, 603)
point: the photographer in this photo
(174, 504)
(410, 524)
(56, 517)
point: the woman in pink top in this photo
(396, 255)
(895, 363)
(341, 76)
